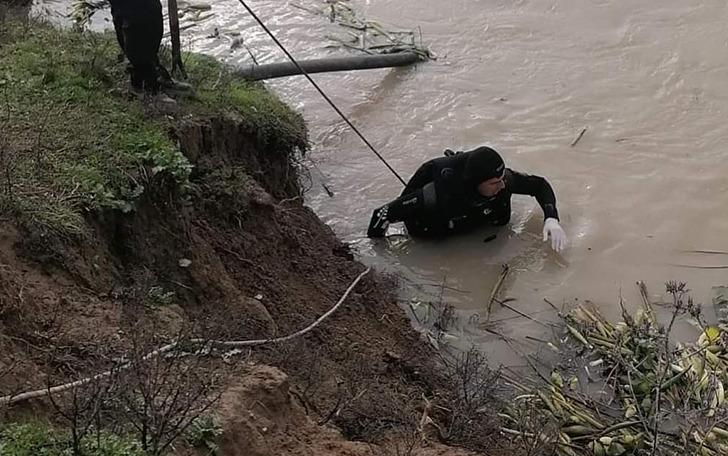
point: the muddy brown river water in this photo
(647, 183)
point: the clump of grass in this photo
(227, 192)
(35, 439)
(276, 127)
(203, 434)
(157, 296)
(75, 142)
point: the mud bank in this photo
(124, 227)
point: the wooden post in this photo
(176, 43)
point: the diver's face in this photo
(492, 187)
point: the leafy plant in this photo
(158, 297)
(38, 439)
(203, 433)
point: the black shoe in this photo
(378, 224)
(136, 91)
(159, 100)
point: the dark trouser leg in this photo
(142, 35)
(163, 72)
(410, 208)
(118, 20)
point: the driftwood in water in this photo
(364, 62)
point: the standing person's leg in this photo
(118, 20)
(143, 29)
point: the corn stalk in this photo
(661, 398)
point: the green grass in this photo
(272, 122)
(72, 141)
(40, 440)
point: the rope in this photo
(320, 91)
(14, 398)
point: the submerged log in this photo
(365, 62)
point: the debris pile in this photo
(653, 397)
(367, 36)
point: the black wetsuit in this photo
(437, 201)
(139, 29)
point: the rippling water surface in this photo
(645, 184)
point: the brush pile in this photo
(367, 36)
(190, 13)
(653, 397)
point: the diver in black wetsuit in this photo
(462, 191)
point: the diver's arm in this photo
(421, 177)
(536, 186)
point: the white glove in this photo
(552, 229)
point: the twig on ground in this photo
(524, 315)
(677, 293)
(646, 301)
(336, 411)
(499, 320)
(578, 138)
(536, 339)
(496, 289)
(552, 305)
